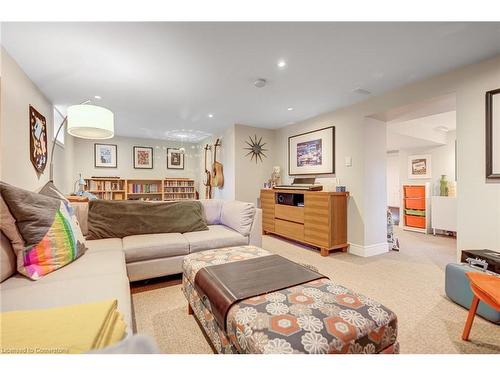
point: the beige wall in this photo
(250, 176)
(17, 93)
(478, 201)
(84, 159)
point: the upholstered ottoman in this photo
(315, 317)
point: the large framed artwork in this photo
(105, 155)
(493, 135)
(175, 159)
(143, 157)
(38, 140)
(419, 166)
(312, 153)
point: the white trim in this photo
(369, 250)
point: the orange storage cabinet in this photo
(414, 191)
(415, 203)
(415, 221)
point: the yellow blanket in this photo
(68, 329)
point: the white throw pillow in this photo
(238, 216)
(212, 209)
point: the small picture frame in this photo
(493, 135)
(105, 155)
(175, 159)
(419, 167)
(143, 157)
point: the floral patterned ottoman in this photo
(316, 317)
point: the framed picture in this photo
(493, 135)
(175, 159)
(419, 166)
(312, 153)
(38, 140)
(143, 157)
(105, 156)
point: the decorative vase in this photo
(443, 186)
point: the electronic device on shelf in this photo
(290, 199)
(301, 183)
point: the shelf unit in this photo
(111, 188)
(416, 207)
(175, 189)
(167, 189)
(144, 189)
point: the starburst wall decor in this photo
(256, 148)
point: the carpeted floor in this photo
(410, 282)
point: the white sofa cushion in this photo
(38, 295)
(212, 209)
(216, 237)
(238, 216)
(89, 265)
(106, 244)
(152, 246)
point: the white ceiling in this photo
(159, 77)
(419, 132)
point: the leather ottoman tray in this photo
(316, 317)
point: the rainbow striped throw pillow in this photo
(52, 239)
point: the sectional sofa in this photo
(105, 270)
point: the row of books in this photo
(179, 189)
(104, 185)
(168, 197)
(144, 188)
(178, 183)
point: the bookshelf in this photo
(141, 189)
(176, 189)
(167, 189)
(111, 188)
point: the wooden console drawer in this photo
(289, 213)
(289, 229)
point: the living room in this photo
(152, 173)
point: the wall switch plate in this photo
(348, 161)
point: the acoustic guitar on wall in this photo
(217, 173)
(207, 181)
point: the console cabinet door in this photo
(316, 219)
(267, 205)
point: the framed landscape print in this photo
(105, 156)
(38, 140)
(312, 153)
(493, 135)
(419, 166)
(143, 157)
(175, 159)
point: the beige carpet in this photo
(410, 282)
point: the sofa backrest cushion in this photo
(9, 228)
(7, 258)
(238, 216)
(212, 209)
(118, 219)
(51, 239)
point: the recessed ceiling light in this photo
(290, 108)
(211, 115)
(97, 97)
(361, 91)
(281, 64)
(259, 83)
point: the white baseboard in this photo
(369, 250)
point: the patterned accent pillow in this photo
(50, 190)
(51, 238)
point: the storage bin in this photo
(415, 203)
(414, 191)
(415, 221)
(415, 212)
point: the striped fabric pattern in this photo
(57, 248)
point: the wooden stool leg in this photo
(470, 318)
(324, 252)
(190, 310)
